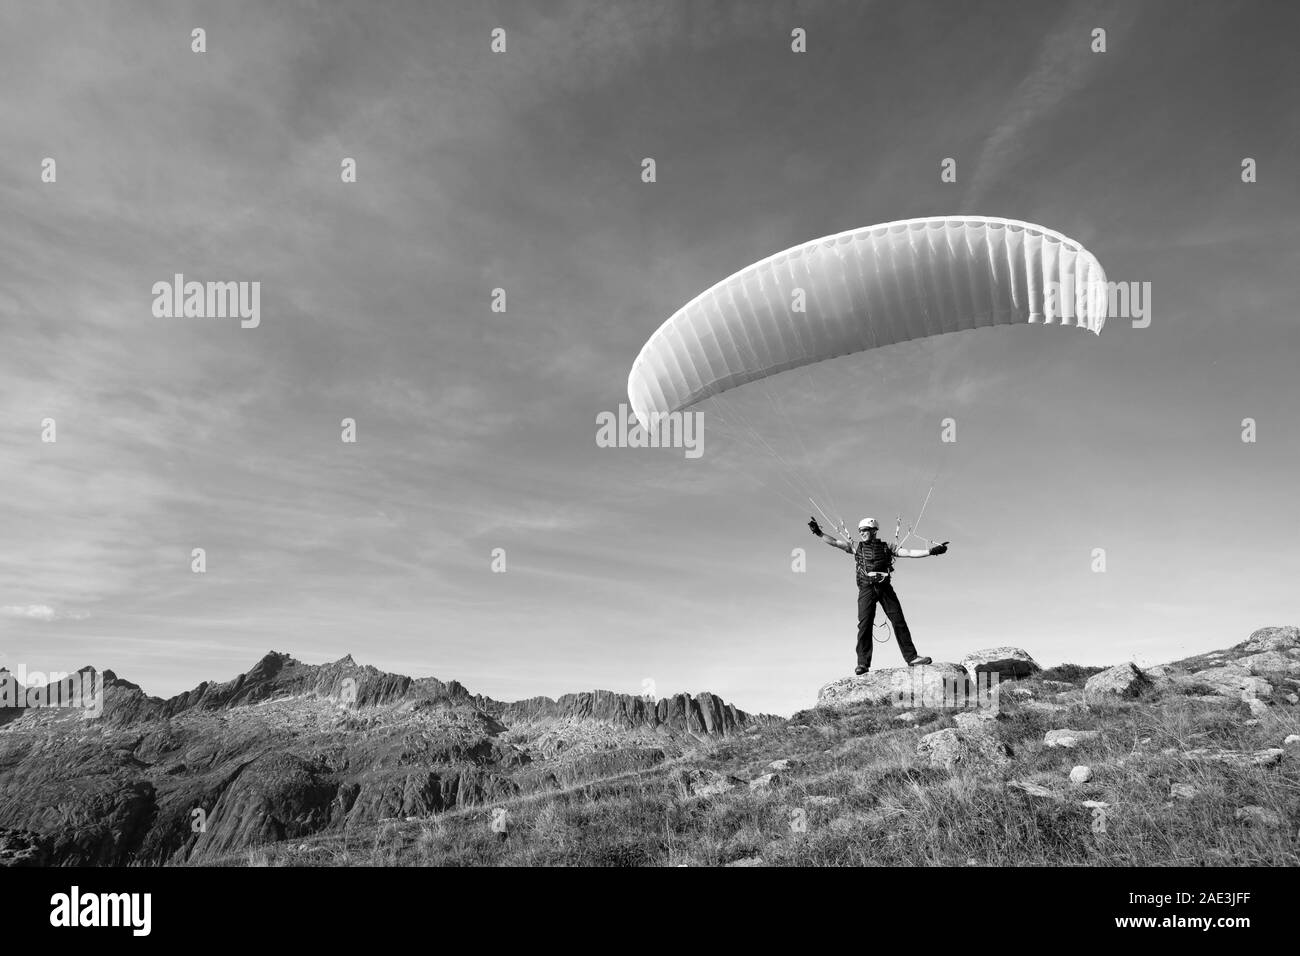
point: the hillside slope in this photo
(1194, 762)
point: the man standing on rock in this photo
(875, 563)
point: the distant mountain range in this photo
(289, 749)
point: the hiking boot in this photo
(916, 661)
(860, 670)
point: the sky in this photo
(627, 569)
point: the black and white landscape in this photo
(489, 362)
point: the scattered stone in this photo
(1032, 789)
(1080, 774)
(708, 783)
(1254, 816)
(1237, 758)
(785, 764)
(766, 782)
(1009, 663)
(1096, 804)
(952, 749)
(1291, 740)
(1069, 738)
(1252, 722)
(1183, 791)
(1121, 682)
(925, 686)
(747, 861)
(821, 800)
(1062, 684)
(1257, 707)
(1293, 698)
(907, 717)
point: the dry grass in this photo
(861, 796)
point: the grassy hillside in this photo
(856, 792)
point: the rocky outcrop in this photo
(1122, 682)
(926, 686)
(702, 715)
(1009, 663)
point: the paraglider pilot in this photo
(875, 563)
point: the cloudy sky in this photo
(476, 430)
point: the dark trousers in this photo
(883, 594)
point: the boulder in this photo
(978, 752)
(1270, 664)
(1122, 682)
(929, 685)
(1009, 663)
(1233, 680)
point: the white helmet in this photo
(866, 523)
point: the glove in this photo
(815, 527)
(940, 548)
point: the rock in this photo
(765, 782)
(1232, 680)
(1020, 692)
(907, 717)
(22, 848)
(1080, 774)
(1122, 682)
(1293, 698)
(1009, 663)
(976, 751)
(1291, 740)
(1058, 684)
(1069, 738)
(1160, 670)
(977, 720)
(931, 685)
(820, 800)
(1270, 663)
(1257, 707)
(1096, 804)
(1183, 791)
(1254, 816)
(1252, 722)
(1032, 789)
(708, 783)
(1237, 758)
(747, 861)
(1272, 639)
(785, 764)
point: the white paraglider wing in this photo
(865, 289)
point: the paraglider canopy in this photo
(865, 289)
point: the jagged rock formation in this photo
(289, 749)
